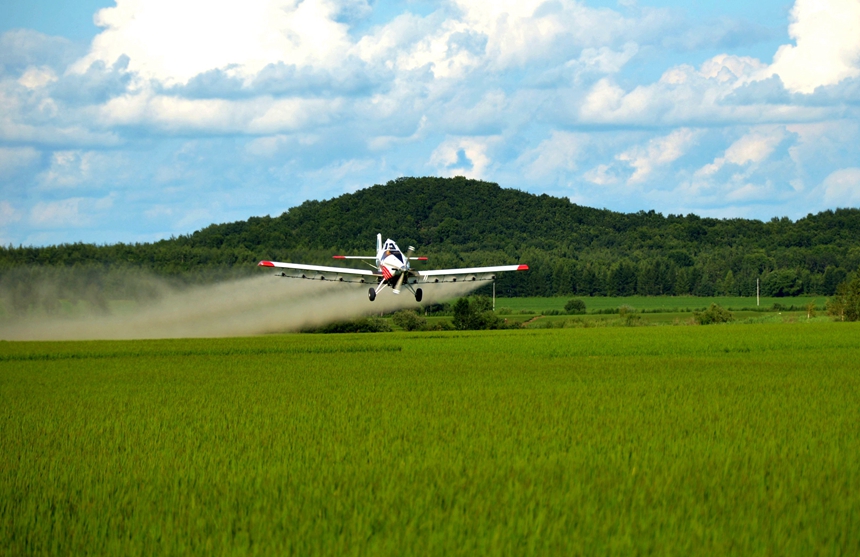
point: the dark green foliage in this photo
(409, 320)
(784, 282)
(712, 315)
(833, 277)
(481, 303)
(574, 306)
(465, 317)
(845, 305)
(441, 325)
(475, 314)
(622, 279)
(571, 250)
(360, 325)
(681, 259)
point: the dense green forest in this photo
(571, 250)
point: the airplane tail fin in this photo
(378, 243)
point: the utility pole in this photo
(494, 295)
(757, 298)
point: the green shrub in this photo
(360, 325)
(633, 320)
(473, 316)
(574, 306)
(409, 320)
(845, 305)
(714, 314)
(442, 325)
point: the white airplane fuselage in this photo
(392, 269)
(391, 262)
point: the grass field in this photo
(653, 303)
(655, 440)
(536, 304)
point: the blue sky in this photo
(136, 120)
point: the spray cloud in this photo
(242, 307)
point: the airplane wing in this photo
(319, 272)
(467, 274)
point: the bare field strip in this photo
(660, 440)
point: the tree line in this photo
(570, 249)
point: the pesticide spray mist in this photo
(252, 306)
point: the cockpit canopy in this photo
(390, 248)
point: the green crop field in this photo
(654, 303)
(736, 440)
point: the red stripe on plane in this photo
(265, 264)
(386, 273)
(523, 268)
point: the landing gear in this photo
(418, 295)
(371, 294)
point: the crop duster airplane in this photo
(392, 269)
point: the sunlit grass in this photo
(665, 440)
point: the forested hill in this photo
(571, 249)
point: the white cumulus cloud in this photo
(602, 175)
(659, 152)
(36, 77)
(72, 212)
(827, 50)
(182, 107)
(842, 188)
(175, 40)
(463, 156)
(753, 147)
(559, 152)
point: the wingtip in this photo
(338, 257)
(265, 264)
(523, 268)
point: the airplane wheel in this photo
(371, 294)
(418, 295)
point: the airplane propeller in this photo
(389, 261)
(403, 273)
